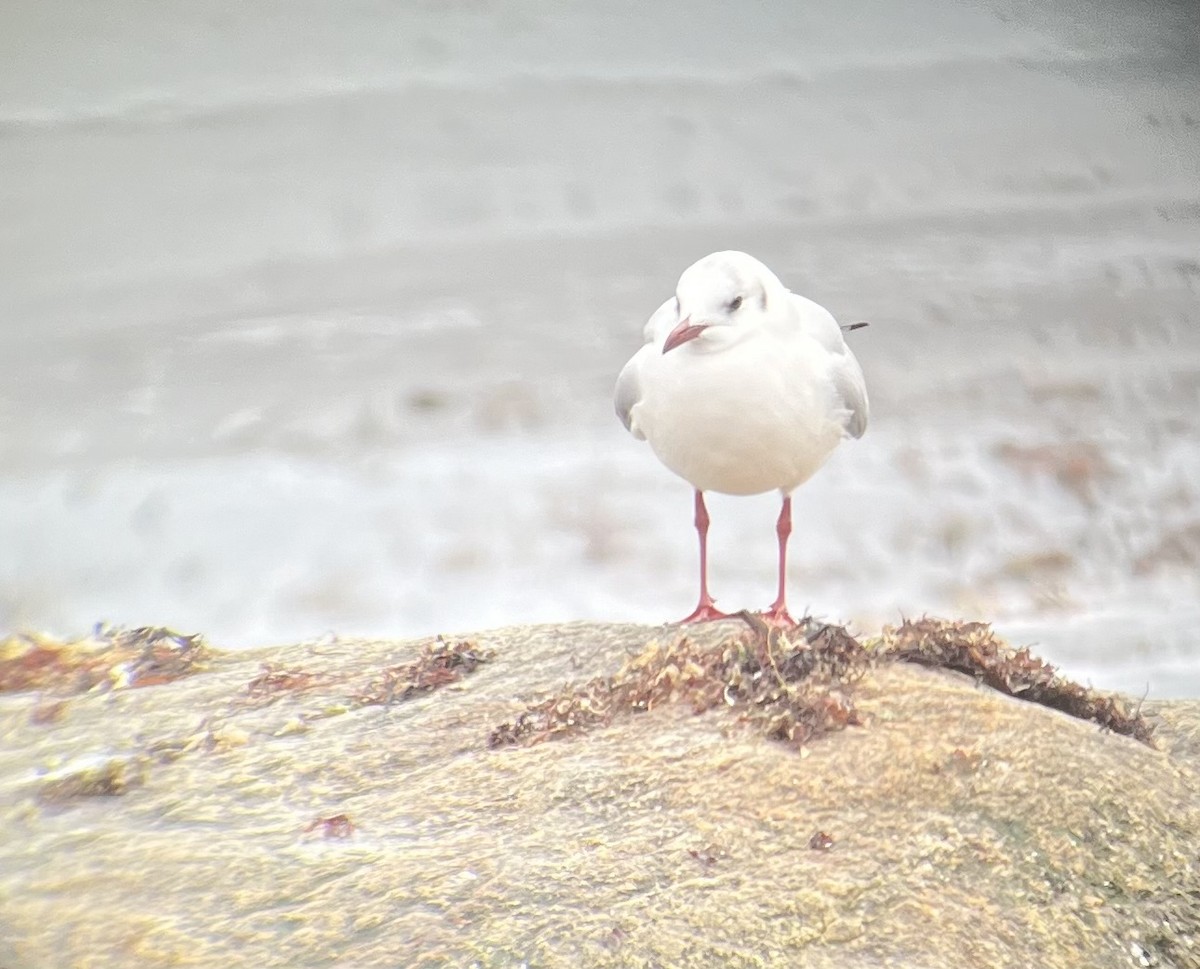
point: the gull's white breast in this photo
(757, 415)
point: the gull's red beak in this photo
(685, 331)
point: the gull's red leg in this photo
(706, 609)
(778, 614)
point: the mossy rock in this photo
(338, 803)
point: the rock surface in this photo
(289, 816)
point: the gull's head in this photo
(721, 298)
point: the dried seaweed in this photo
(47, 711)
(972, 648)
(438, 664)
(792, 685)
(275, 681)
(796, 684)
(110, 658)
(821, 841)
(571, 711)
(708, 856)
(339, 827)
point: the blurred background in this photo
(310, 312)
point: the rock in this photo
(95, 775)
(338, 804)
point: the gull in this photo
(742, 387)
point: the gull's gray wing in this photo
(849, 386)
(818, 323)
(851, 390)
(629, 392)
(629, 386)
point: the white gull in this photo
(742, 387)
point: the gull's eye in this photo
(735, 304)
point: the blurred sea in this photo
(310, 312)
